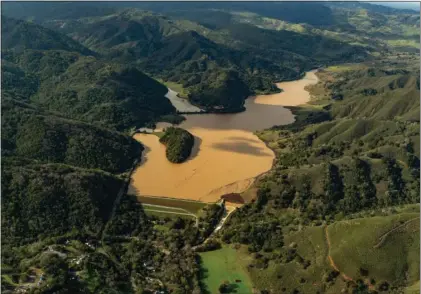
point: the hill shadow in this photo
(145, 151)
(203, 274)
(195, 149)
(240, 146)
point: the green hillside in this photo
(88, 89)
(362, 160)
(53, 199)
(30, 133)
(385, 258)
(20, 35)
(308, 254)
(193, 54)
(179, 144)
(337, 213)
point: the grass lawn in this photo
(225, 264)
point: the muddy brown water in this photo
(226, 157)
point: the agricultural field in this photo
(225, 265)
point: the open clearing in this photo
(387, 248)
(165, 211)
(352, 246)
(222, 265)
(169, 214)
(189, 206)
(414, 289)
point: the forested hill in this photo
(28, 132)
(256, 43)
(180, 48)
(334, 215)
(62, 108)
(58, 77)
(20, 35)
(353, 153)
(187, 53)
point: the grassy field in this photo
(147, 207)
(169, 214)
(345, 67)
(6, 280)
(311, 245)
(190, 206)
(414, 289)
(158, 134)
(226, 264)
(403, 43)
(354, 244)
(387, 248)
(182, 93)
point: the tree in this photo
(223, 288)
(351, 201)
(332, 185)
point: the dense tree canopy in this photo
(179, 144)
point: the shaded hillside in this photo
(187, 53)
(174, 52)
(39, 11)
(85, 88)
(312, 13)
(107, 94)
(79, 87)
(30, 133)
(53, 200)
(20, 35)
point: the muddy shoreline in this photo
(230, 156)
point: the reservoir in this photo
(227, 155)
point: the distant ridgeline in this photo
(219, 63)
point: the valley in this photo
(191, 147)
(227, 155)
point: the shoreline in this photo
(237, 134)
